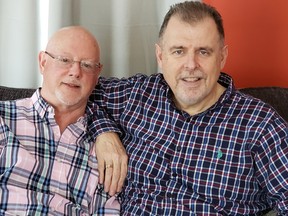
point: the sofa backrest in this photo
(277, 97)
(10, 93)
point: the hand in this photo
(112, 161)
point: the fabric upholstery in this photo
(10, 93)
(277, 97)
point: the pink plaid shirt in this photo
(44, 172)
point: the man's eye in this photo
(65, 60)
(178, 52)
(204, 52)
(87, 65)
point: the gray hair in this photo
(191, 12)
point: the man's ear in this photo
(42, 61)
(224, 55)
(158, 52)
(100, 68)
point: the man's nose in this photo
(191, 61)
(75, 69)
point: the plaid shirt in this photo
(231, 159)
(44, 172)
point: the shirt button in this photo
(170, 195)
(178, 148)
(159, 198)
(174, 175)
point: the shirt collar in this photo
(44, 109)
(224, 80)
(40, 105)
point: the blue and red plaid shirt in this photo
(231, 159)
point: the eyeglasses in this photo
(66, 62)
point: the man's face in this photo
(68, 86)
(191, 57)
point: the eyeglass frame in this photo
(71, 61)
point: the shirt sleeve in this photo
(272, 164)
(110, 98)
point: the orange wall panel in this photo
(257, 37)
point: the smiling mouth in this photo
(71, 85)
(191, 79)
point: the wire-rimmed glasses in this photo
(67, 62)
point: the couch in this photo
(277, 97)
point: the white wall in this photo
(18, 52)
(126, 29)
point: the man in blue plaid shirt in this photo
(196, 145)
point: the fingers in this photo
(112, 176)
(115, 174)
(111, 179)
(101, 169)
(109, 166)
(123, 174)
(112, 161)
(108, 178)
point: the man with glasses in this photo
(47, 155)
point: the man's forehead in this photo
(178, 31)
